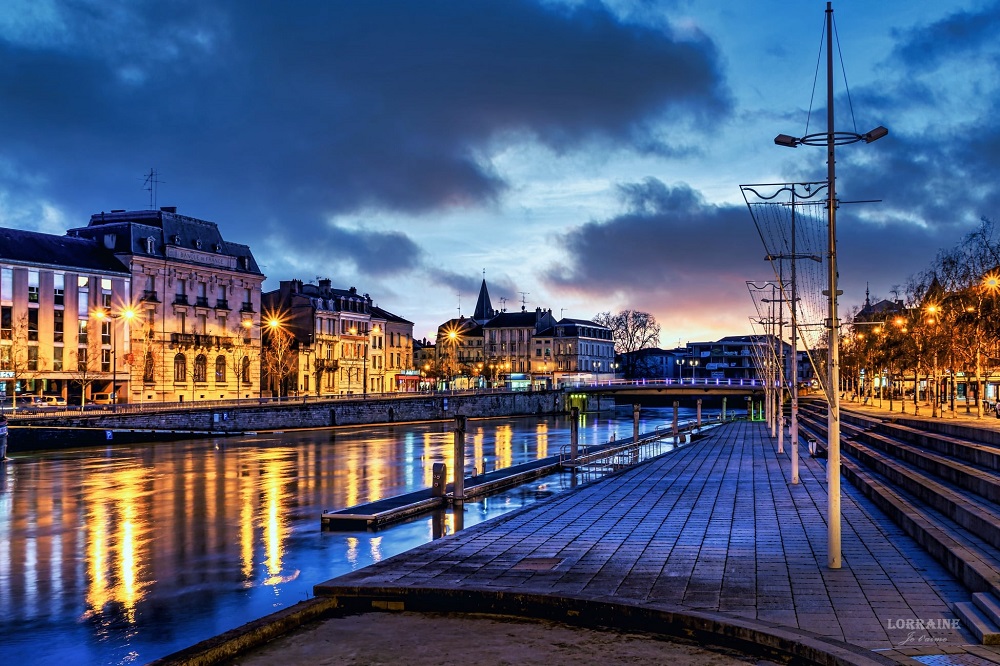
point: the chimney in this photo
(325, 283)
(169, 209)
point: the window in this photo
(200, 368)
(82, 333)
(57, 359)
(106, 292)
(82, 296)
(180, 368)
(245, 369)
(33, 325)
(32, 358)
(57, 326)
(220, 369)
(6, 322)
(148, 367)
(32, 286)
(58, 288)
(105, 360)
(222, 324)
(202, 324)
(81, 359)
(182, 322)
(7, 284)
(105, 332)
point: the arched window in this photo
(200, 368)
(220, 369)
(245, 368)
(180, 368)
(148, 368)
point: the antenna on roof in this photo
(524, 301)
(561, 310)
(459, 294)
(503, 304)
(150, 186)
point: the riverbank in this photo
(79, 429)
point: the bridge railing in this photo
(675, 382)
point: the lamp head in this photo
(787, 141)
(875, 134)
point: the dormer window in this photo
(175, 239)
(197, 243)
(149, 245)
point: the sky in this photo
(583, 156)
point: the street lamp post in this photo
(831, 139)
(128, 314)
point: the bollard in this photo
(439, 479)
(635, 432)
(699, 413)
(574, 434)
(3, 437)
(723, 417)
(458, 496)
(676, 407)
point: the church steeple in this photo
(484, 308)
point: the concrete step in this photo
(988, 603)
(982, 481)
(977, 622)
(980, 517)
(975, 563)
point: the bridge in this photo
(679, 387)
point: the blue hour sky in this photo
(587, 153)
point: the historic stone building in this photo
(339, 342)
(58, 333)
(196, 297)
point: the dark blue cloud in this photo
(323, 107)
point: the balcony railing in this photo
(201, 302)
(246, 307)
(149, 295)
(200, 341)
(180, 299)
(221, 304)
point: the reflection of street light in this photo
(832, 138)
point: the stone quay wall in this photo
(324, 414)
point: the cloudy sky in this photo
(586, 153)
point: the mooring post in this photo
(723, 416)
(574, 434)
(635, 432)
(676, 407)
(699, 413)
(458, 496)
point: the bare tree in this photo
(631, 330)
(240, 359)
(277, 359)
(19, 359)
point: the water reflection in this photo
(124, 554)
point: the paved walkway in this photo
(715, 527)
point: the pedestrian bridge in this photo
(678, 387)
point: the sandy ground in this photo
(416, 639)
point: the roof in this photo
(201, 238)
(484, 308)
(388, 316)
(38, 249)
(513, 320)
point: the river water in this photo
(123, 554)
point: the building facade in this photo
(339, 342)
(195, 305)
(56, 337)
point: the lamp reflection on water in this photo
(118, 544)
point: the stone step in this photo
(975, 563)
(967, 511)
(988, 603)
(976, 621)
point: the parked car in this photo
(102, 399)
(55, 400)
